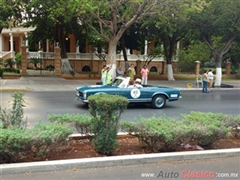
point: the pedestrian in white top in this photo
(210, 78)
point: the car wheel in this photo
(158, 101)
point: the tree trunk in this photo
(218, 59)
(111, 57)
(168, 55)
(66, 66)
(170, 72)
(123, 47)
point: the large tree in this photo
(169, 29)
(115, 16)
(220, 20)
(10, 13)
(54, 20)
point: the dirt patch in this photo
(128, 145)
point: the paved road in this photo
(41, 104)
(219, 168)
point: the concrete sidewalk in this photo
(51, 83)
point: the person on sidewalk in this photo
(108, 76)
(131, 72)
(104, 74)
(120, 72)
(210, 77)
(205, 82)
(144, 73)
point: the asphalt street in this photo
(41, 104)
(217, 168)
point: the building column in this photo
(24, 60)
(11, 42)
(1, 43)
(39, 46)
(228, 68)
(77, 48)
(57, 63)
(47, 45)
(26, 38)
(197, 67)
(146, 47)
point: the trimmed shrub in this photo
(158, 133)
(81, 122)
(207, 127)
(37, 143)
(233, 123)
(47, 137)
(106, 111)
(14, 141)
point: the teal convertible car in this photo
(156, 95)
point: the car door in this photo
(136, 94)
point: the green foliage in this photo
(14, 141)
(47, 137)
(72, 72)
(35, 61)
(204, 129)
(10, 62)
(1, 72)
(159, 133)
(12, 70)
(207, 127)
(218, 23)
(18, 58)
(81, 122)
(106, 111)
(14, 117)
(233, 123)
(50, 67)
(38, 142)
(196, 51)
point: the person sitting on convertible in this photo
(137, 84)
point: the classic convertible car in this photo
(156, 95)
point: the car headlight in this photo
(77, 92)
(85, 94)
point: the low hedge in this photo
(12, 70)
(82, 123)
(200, 128)
(17, 143)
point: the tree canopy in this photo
(220, 20)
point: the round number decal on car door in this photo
(135, 93)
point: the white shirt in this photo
(136, 86)
(210, 75)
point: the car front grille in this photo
(81, 94)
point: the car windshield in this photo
(116, 82)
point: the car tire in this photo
(158, 101)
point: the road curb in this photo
(15, 89)
(57, 165)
